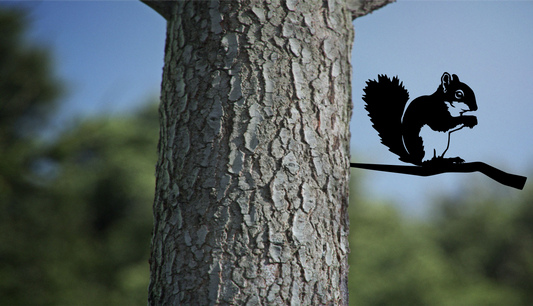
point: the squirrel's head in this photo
(459, 96)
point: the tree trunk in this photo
(252, 178)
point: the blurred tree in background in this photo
(82, 235)
(28, 92)
(75, 213)
(475, 250)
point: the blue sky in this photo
(489, 45)
(110, 53)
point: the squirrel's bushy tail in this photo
(385, 102)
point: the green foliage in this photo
(476, 250)
(84, 233)
(28, 88)
(75, 215)
(392, 261)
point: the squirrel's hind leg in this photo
(434, 143)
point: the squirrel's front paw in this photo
(470, 121)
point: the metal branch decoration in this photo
(402, 129)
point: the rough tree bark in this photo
(252, 178)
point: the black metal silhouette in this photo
(442, 112)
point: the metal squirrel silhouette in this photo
(400, 127)
(442, 112)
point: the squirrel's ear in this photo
(455, 78)
(445, 80)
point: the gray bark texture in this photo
(252, 178)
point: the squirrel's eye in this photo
(459, 94)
